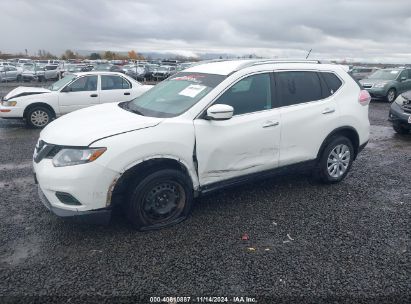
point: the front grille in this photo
(407, 108)
(45, 150)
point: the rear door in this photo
(307, 114)
(79, 94)
(115, 88)
(246, 143)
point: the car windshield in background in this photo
(61, 83)
(385, 74)
(175, 95)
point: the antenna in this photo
(308, 53)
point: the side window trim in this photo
(280, 102)
(78, 78)
(273, 96)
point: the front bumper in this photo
(398, 116)
(377, 92)
(100, 216)
(90, 184)
(11, 112)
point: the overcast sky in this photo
(372, 30)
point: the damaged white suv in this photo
(210, 126)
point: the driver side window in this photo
(250, 94)
(84, 84)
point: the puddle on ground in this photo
(14, 166)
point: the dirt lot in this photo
(348, 242)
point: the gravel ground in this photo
(312, 243)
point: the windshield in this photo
(175, 95)
(61, 83)
(385, 74)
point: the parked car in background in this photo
(108, 68)
(9, 73)
(69, 69)
(359, 73)
(135, 71)
(52, 71)
(163, 72)
(33, 72)
(388, 83)
(39, 106)
(400, 113)
(209, 127)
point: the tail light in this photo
(364, 98)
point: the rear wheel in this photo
(38, 117)
(160, 199)
(391, 95)
(335, 161)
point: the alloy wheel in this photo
(338, 161)
(39, 118)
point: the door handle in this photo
(127, 93)
(328, 111)
(270, 123)
(93, 95)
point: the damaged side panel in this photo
(238, 146)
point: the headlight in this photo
(71, 157)
(380, 85)
(9, 103)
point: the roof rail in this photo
(268, 61)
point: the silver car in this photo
(9, 73)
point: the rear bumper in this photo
(99, 216)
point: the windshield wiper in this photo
(125, 106)
(136, 112)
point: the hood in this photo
(82, 127)
(406, 95)
(24, 91)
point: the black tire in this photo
(327, 160)
(160, 199)
(391, 95)
(39, 111)
(400, 129)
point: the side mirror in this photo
(403, 78)
(220, 112)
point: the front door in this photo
(248, 142)
(79, 94)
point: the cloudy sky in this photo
(371, 30)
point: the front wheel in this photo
(335, 161)
(159, 200)
(391, 95)
(38, 117)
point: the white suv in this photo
(210, 126)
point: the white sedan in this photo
(39, 106)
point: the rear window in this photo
(332, 81)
